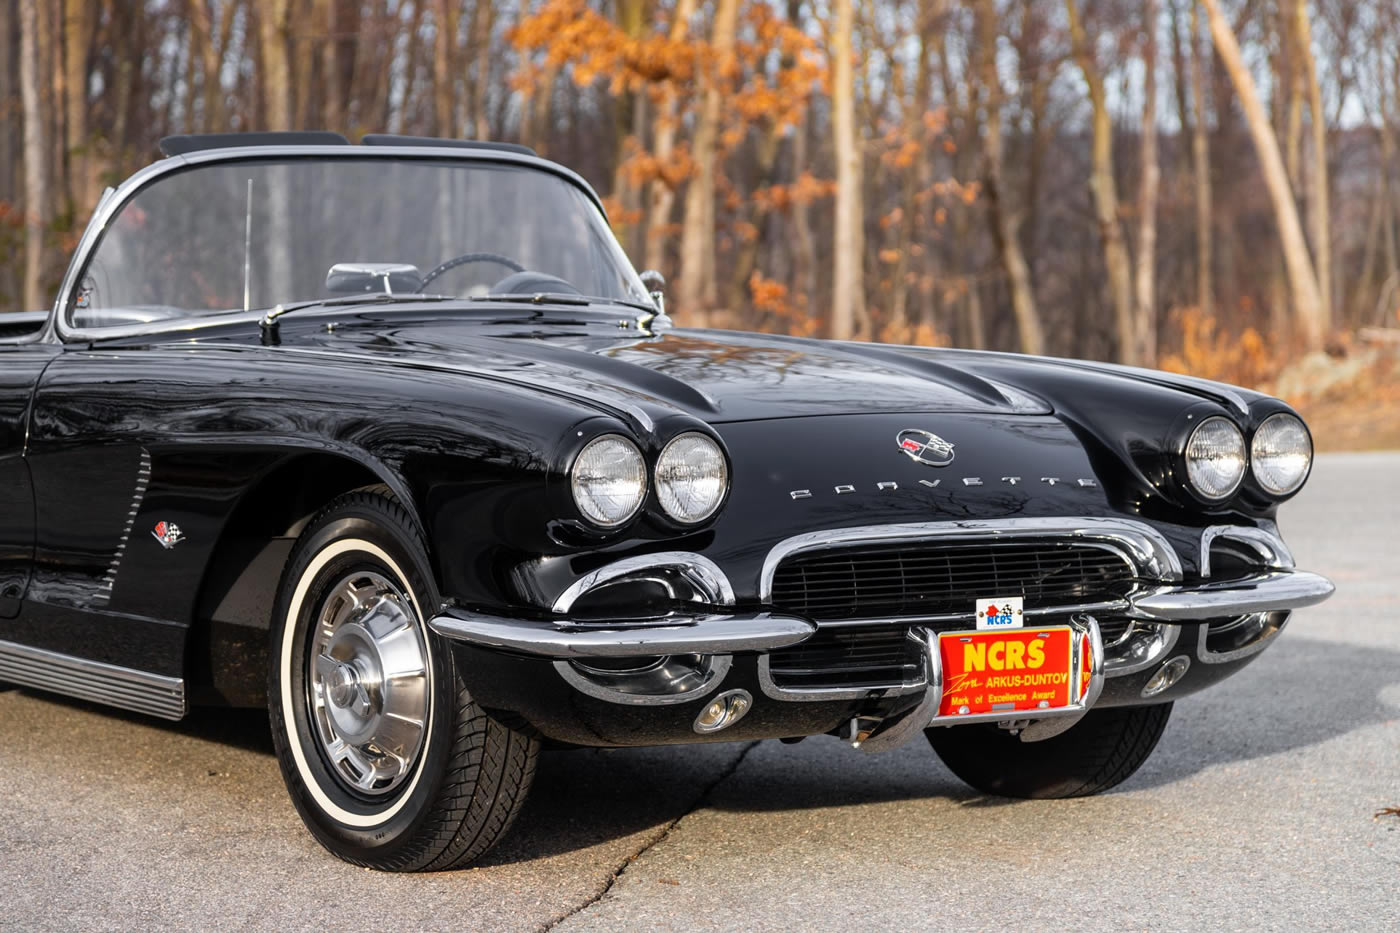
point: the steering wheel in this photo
(465, 258)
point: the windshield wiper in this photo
(561, 298)
(536, 298)
(268, 323)
(649, 321)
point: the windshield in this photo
(255, 234)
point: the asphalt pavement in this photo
(1258, 810)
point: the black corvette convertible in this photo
(392, 439)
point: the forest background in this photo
(1208, 186)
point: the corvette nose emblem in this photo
(925, 447)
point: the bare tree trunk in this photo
(960, 99)
(1040, 74)
(77, 34)
(49, 57)
(413, 54)
(1200, 161)
(1288, 95)
(540, 106)
(1388, 155)
(191, 79)
(908, 221)
(9, 152)
(1004, 222)
(303, 65)
(804, 252)
(482, 23)
(1319, 207)
(273, 21)
(848, 278)
(444, 74)
(929, 12)
(203, 60)
(744, 261)
(629, 123)
(661, 197)
(1363, 294)
(1146, 281)
(1105, 193)
(1307, 302)
(696, 292)
(36, 194)
(332, 67)
(976, 321)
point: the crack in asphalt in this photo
(656, 839)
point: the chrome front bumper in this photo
(1269, 591)
(719, 631)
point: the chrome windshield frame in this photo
(113, 202)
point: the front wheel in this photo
(1100, 751)
(387, 757)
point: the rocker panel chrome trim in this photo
(95, 681)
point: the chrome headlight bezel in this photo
(1195, 464)
(669, 500)
(1259, 459)
(628, 466)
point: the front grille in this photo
(913, 579)
(1114, 631)
(844, 659)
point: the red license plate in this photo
(1010, 671)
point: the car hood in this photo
(718, 376)
(1128, 421)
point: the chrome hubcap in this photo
(367, 683)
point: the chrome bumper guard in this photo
(701, 634)
(1269, 591)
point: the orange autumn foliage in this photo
(805, 190)
(772, 297)
(571, 33)
(1245, 358)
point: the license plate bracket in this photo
(1023, 673)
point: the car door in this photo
(22, 361)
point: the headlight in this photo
(1281, 454)
(691, 477)
(609, 480)
(1215, 459)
